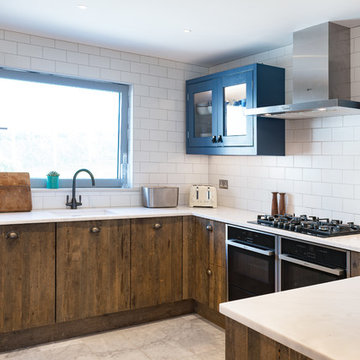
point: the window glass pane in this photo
(57, 127)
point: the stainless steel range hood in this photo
(321, 75)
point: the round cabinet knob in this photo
(220, 139)
(12, 235)
(95, 229)
(213, 139)
(157, 226)
(209, 272)
(209, 228)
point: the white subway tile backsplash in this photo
(294, 174)
(66, 45)
(118, 64)
(324, 189)
(311, 174)
(30, 50)
(322, 162)
(156, 70)
(140, 68)
(17, 61)
(351, 148)
(323, 134)
(89, 72)
(93, 50)
(99, 61)
(343, 134)
(17, 37)
(65, 68)
(127, 77)
(43, 65)
(331, 176)
(54, 54)
(8, 47)
(77, 58)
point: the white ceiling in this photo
(221, 30)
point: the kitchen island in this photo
(320, 322)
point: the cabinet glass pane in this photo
(235, 104)
(203, 114)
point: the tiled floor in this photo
(187, 337)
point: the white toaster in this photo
(203, 196)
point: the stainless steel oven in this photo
(303, 264)
(251, 262)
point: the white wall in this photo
(158, 118)
(321, 169)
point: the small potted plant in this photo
(53, 180)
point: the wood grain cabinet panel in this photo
(217, 287)
(93, 268)
(200, 257)
(208, 283)
(354, 263)
(27, 276)
(156, 261)
(243, 343)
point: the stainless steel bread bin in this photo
(158, 197)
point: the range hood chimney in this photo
(321, 75)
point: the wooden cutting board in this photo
(15, 192)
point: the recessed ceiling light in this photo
(82, 7)
(187, 30)
(321, 109)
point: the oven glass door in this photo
(295, 276)
(250, 273)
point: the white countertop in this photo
(222, 214)
(320, 321)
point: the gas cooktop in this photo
(310, 225)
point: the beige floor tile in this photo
(188, 337)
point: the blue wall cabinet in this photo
(215, 119)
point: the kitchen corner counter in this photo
(321, 321)
(222, 214)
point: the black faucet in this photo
(73, 203)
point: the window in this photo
(64, 124)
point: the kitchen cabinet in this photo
(92, 268)
(354, 263)
(156, 261)
(243, 343)
(215, 119)
(209, 263)
(27, 276)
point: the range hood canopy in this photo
(321, 75)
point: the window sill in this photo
(87, 190)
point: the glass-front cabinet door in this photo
(202, 114)
(236, 129)
(215, 112)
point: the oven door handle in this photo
(337, 272)
(252, 249)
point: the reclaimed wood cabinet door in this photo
(92, 268)
(209, 263)
(156, 261)
(354, 263)
(27, 276)
(200, 258)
